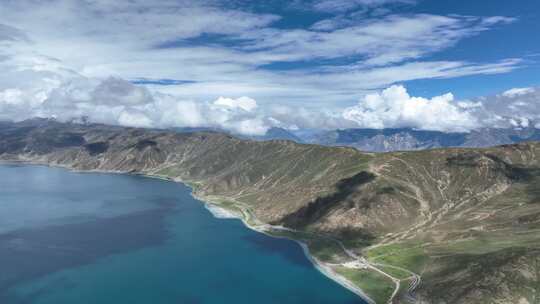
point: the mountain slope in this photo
(435, 226)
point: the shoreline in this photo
(220, 213)
(326, 270)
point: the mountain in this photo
(404, 139)
(278, 133)
(270, 134)
(390, 139)
(454, 225)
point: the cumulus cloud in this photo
(134, 119)
(518, 107)
(244, 103)
(119, 102)
(395, 108)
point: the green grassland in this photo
(411, 256)
(395, 272)
(378, 287)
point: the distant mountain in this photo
(391, 139)
(402, 139)
(278, 134)
(273, 133)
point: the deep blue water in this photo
(69, 237)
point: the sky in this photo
(246, 66)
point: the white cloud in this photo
(513, 108)
(254, 126)
(391, 39)
(133, 22)
(519, 122)
(43, 39)
(244, 103)
(488, 21)
(116, 101)
(134, 119)
(394, 108)
(517, 91)
(69, 58)
(347, 5)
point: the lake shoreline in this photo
(322, 267)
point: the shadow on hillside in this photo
(322, 205)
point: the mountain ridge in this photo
(393, 139)
(407, 139)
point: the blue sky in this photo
(300, 63)
(513, 40)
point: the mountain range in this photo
(395, 139)
(445, 225)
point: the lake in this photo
(69, 237)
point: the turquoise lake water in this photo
(68, 237)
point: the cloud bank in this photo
(120, 102)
